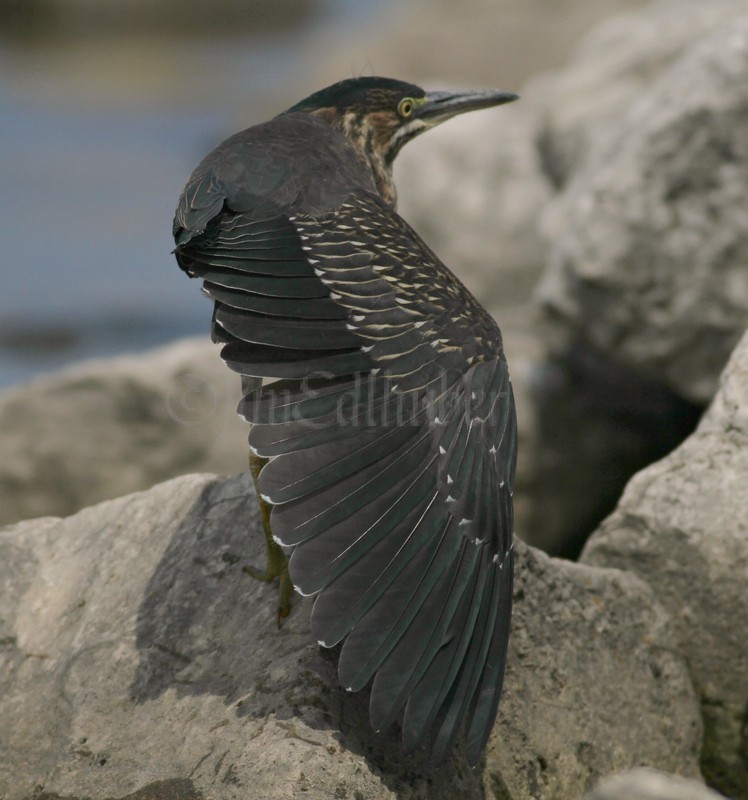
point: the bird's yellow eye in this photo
(405, 108)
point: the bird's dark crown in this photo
(360, 95)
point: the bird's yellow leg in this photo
(277, 563)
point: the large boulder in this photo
(477, 187)
(581, 106)
(137, 659)
(621, 175)
(648, 264)
(110, 427)
(646, 291)
(584, 678)
(682, 525)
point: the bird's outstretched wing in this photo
(392, 440)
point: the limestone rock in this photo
(682, 525)
(646, 291)
(591, 666)
(582, 105)
(110, 427)
(648, 263)
(136, 657)
(648, 784)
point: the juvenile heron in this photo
(384, 452)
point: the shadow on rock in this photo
(177, 789)
(599, 422)
(205, 627)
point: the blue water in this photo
(87, 196)
(85, 215)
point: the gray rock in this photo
(136, 658)
(139, 656)
(110, 427)
(581, 106)
(648, 265)
(648, 784)
(591, 666)
(646, 292)
(682, 525)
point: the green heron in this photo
(384, 451)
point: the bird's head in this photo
(379, 115)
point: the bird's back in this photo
(291, 161)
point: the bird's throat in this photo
(383, 178)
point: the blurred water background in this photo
(107, 105)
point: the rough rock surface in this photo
(648, 784)
(682, 525)
(633, 158)
(646, 290)
(650, 236)
(581, 106)
(110, 427)
(590, 668)
(136, 658)
(476, 188)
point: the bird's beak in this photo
(440, 106)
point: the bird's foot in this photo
(277, 567)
